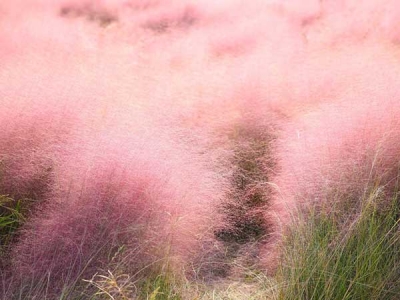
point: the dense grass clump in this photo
(326, 258)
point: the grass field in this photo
(199, 149)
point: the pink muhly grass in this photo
(339, 149)
(30, 144)
(155, 201)
(141, 156)
(343, 145)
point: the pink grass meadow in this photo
(118, 116)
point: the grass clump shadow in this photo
(243, 213)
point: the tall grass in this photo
(328, 258)
(113, 121)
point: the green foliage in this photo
(360, 259)
(11, 218)
(160, 287)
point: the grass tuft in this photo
(326, 258)
(12, 216)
